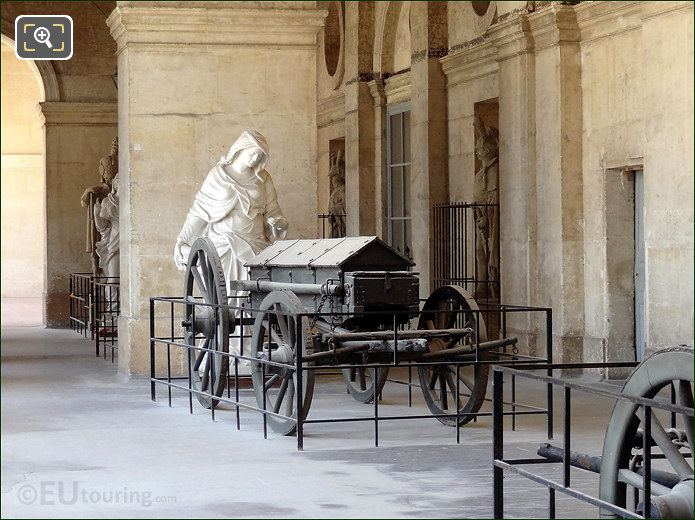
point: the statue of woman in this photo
(108, 169)
(106, 223)
(236, 208)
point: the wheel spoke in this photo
(669, 449)
(363, 381)
(201, 355)
(199, 280)
(452, 386)
(282, 323)
(433, 380)
(466, 380)
(684, 393)
(281, 395)
(289, 405)
(442, 392)
(270, 382)
(636, 480)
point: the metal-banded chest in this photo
(341, 275)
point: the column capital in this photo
(215, 23)
(511, 37)
(83, 114)
(553, 26)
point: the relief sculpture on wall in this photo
(336, 200)
(93, 196)
(486, 193)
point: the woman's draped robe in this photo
(239, 220)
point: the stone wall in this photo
(586, 94)
(186, 91)
(80, 121)
(23, 189)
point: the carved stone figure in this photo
(336, 201)
(236, 208)
(108, 169)
(106, 223)
(485, 191)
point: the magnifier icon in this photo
(42, 35)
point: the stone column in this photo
(429, 173)
(517, 178)
(359, 119)
(560, 237)
(191, 78)
(77, 136)
(376, 88)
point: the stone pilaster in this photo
(359, 119)
(77, 136)
(191, 78)
(517, 161)
(540, 169)
(429, 177)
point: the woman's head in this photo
(249, 151)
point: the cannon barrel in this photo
(266, 286)
(593, 464)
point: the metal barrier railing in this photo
(464, 254)
(165, 335)
(565, 456)
(107, 307)
(332, 225)
(81, 317)
(94, 309)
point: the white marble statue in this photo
(108, 169)
(236, 208)
(106, 223)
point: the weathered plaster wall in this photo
(584, 93)
(23, 191)
(80, 120)
(185, 94)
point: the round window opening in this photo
(480, 8)
(331, 38)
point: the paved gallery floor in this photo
(80, 440)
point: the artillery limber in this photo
(337, 302)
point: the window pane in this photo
(406, 136)
(397, 236)
(408, 239)
(396, 209)
(396, 147)
(406, 191)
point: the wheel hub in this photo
(676, 504)
(282, 354)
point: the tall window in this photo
(398, 142)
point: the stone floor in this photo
(81, 441)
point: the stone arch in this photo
(42, 68)
(385, 43)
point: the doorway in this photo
(625, 265)
(23, 192)
(639, 267)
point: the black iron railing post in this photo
(153, 395)
(497, 444)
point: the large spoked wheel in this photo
(275, 339)
(672, 491)
(206, 326)
(360, 382)
(438, 382)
